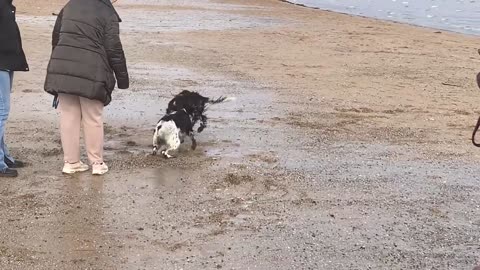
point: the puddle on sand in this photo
(234, 128)
(161, 177)
(189, 20)
(156, 180)
(217, 153)
(209, 16)
(203, 4)
(153, 85)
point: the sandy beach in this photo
(347, 147)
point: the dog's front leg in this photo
(155, 142)
(203, 123)
(194, 142)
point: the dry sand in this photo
(347, 148)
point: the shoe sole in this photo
(74, 171)
(99, 172)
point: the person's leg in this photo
(92, 119)
(5, 88)
(70, 124)
(9, 160)
(7, 157)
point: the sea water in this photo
(453, 15)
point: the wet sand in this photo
(347, 148)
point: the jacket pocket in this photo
(110, 80)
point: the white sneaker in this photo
(71, 168)
(99, 169)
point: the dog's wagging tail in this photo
(221, 99)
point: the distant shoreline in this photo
(384, 19)
(300, 5)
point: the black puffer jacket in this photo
(11, 52)
(87, 51)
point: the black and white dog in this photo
(195, 105)
(171, 131)
(183, 112)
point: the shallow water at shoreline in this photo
(461, 16)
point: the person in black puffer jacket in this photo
(12, 58)
(87, 56)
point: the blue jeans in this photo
(6, 79)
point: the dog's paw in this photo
(194, 145)
(166, 155)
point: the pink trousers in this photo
(74, 112)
